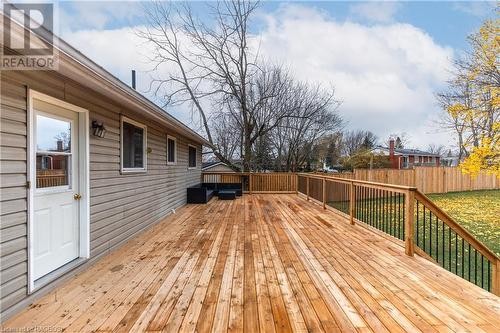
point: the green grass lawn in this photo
(476, 211)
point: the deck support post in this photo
(324, 193)
(352, 200)
(307, 178)
(409, 221)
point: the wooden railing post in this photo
(250, 183)
(409, 221)
(307, 183)
(324, 193)
(352, 200)
(296, 183)
(495, 278)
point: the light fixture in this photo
(98, 129)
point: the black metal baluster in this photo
(449, 249)
(425, 229)
(489, 277)
(404, 212)
(399, 215)
(383, 212)
(475, 266)
(456, 253)
(391, 213)
(418, 226)
(386, 221)
(430, 234)
(370, 205)
(482, 271)
(469, 263)
(442, 225)
(394, 215)
(377, 217)
(363, 202)
(365, 205)
(437, 239)
(374, 207)
(463, 258)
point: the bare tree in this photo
(436, 149)
(355, 141)
(314, 115)
(402, 140)
(212, 63)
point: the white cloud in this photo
(476, 8)
(120, 51)
(386, 75)
(80, 15)
(376, 11)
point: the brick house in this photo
(402, 158)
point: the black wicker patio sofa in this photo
(203, 192)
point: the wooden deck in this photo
(263, 263)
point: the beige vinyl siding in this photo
(13, 194)
(121, 205)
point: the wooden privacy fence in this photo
(407, 214)
(275, 182)
(427, 179)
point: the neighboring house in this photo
(126, 166)
(216, 166)
(401, 158)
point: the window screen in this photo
(133, 146)
(171, 146)
(192, 157)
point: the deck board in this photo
(268, 263)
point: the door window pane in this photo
(53, 152)
(133, 146)
(52, 170)
(53, 134)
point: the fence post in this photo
(409, 221)
(307, 182)
(324, 193)
(352, 200)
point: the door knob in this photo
(77, 196)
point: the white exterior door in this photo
(56, 198)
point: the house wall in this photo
(219, 168)
(120, 205)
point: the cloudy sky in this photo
(386, 60)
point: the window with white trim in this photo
(133, 146)
(192, 157)
(171, 150)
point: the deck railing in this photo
(254, 182)
(398, 211)
(49, 178)
(406, 214)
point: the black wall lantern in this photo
(98, 129)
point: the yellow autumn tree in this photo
(473, 102)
